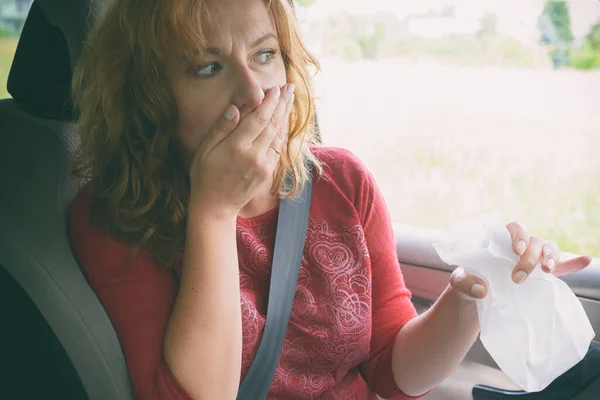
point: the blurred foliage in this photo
(587, 56)
(467, 50)
(558, 28)
(556, 34)
(594, 36)
(489, 25)
(12, 23)
(382, 36)
(305, 3)
(6, 32)
(555, 28)
(7, 52)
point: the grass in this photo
(7, 51)
(448, 142)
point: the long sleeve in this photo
(391, 305)
(138, 297)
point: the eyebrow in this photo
(215, 51)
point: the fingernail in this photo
(551, 264)
(477, 290)
(230, 112)
(519, 277)
(276, 90)
(291, 87)
(521, 247)
(291, 100)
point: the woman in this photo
(190, 112)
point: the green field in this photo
(447, 143)
(7, 51)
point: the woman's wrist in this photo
(204, 213)
(447, 331)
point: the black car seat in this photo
(56, 341)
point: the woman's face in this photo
(243, 60)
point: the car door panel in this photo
(427, 276)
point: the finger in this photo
(289, 101)
(224, 126)
(572, 265)
(288, 110)
(550, 255)
(268, 137)
(274, 150)
(528, 260)
(287, 94)
(519, 236)
(471, 286)
(284, 124)
(280, 140)
(255, 122)
(276, 144)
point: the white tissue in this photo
(534, 331)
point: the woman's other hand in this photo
(533, 251)
(238, 156)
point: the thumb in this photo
(469, 286)
(224, 126)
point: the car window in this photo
(12, 17)
(463, 107)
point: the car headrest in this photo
(49, 46)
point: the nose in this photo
(249, 92)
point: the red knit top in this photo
(349, 305)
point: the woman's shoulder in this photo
(100, 256)
(336, 155)
(80, 225)
(339, 163)
(345, 175)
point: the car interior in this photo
(56, 341)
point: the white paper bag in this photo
(534, 331)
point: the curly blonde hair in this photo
(127, 118)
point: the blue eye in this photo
(207, 70)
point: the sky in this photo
(583, 12)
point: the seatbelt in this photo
(292, 223)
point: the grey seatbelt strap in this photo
(292, 223)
